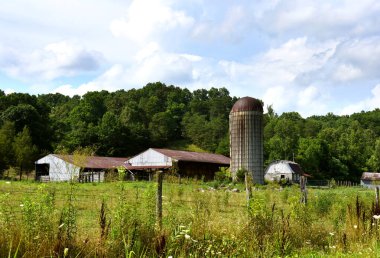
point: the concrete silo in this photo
(246, 138)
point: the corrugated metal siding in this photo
(149, 158)
(246, 143)
(59, 169)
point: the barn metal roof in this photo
(247, 104)
(195, 156)
(293, 165)
(370, 176)
(93, 161)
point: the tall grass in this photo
(118, 220)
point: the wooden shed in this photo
(54, 167)
(284, 170)
(370, 179)
(185, 163)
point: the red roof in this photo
(93, 161)
(145, 167)
(195, 156)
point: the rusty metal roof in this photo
(247, 104)
(145, 167)
(370, 176)
(195, 156)
(93, 161)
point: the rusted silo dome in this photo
(247, 104)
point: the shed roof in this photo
(370, 176)
(293, 165)
(95, 162)
(195, 156)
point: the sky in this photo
(312, 57)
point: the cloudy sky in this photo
(308, 56)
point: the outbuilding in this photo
(370, 179)
(185, 163)
(284, 170)
(55, 167)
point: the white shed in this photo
(284, 169)
(54, 167)
(370, 179)
(186, 163)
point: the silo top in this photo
(248, 104)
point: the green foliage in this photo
(124, 123)
(117, 220)
(25, 151)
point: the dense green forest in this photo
(123, 123)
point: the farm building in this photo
(284, 169)
(185, 163)
(370, 179)
(54, 167)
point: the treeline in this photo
(123, 123)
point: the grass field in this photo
(117, 219)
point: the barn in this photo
(54, 167)
(185, 163)
(370, 179)
(284, 169)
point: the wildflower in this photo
(355, 226)
(66, 252)
(376, 217)
(7, 182)
(187, 236)
(333, 247)
(332, 233)
(21, 205)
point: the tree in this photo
(374, 161)
(7, 134)
(162, 128)
(25, 151)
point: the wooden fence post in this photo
(377, 201)
(303, 181)
(248, 188)
(159, 201)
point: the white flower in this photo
(187, 236)
(21, 205)
(355, 226)
(332, 233)
(376, 217)
(7, 182)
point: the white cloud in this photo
(346, 72)
(9, 91)
(321, 19)
(366, 104)
(232, 26)
(278, 96)
(54, 60)
(145, 17)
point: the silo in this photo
(246, 138)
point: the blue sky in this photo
(312, 57)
